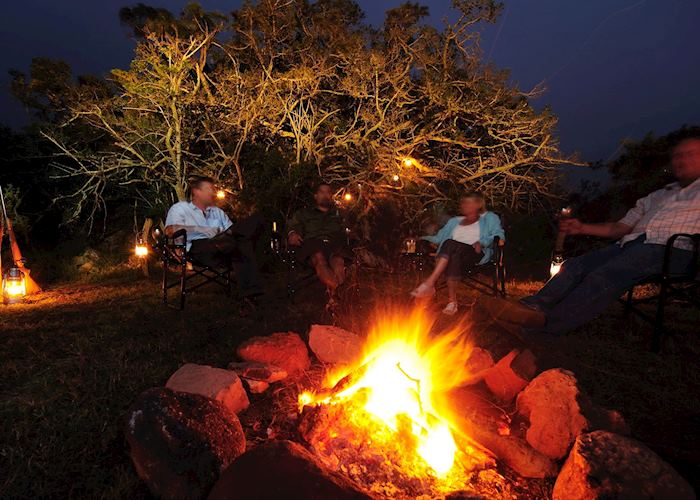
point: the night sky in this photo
(614, 69)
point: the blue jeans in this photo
(587, 284)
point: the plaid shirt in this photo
(665, 212)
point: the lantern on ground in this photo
(14, 286)
(141, 249)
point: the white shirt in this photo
(466, 234)
(665, 212)
(185, 213)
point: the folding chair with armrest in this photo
(671, 285)
(191, 274)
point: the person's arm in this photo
(612, 230)
(441, 235)
(295, 229)
(175, 221)
(494, 229)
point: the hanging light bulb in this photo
(396, 178)
(221, 194)
(407, 162)
(347, 196)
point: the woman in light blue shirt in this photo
(464, 242)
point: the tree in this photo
(406, 112)
(149, 128)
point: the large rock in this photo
(215, 383)
(510, 375)
(478, 362)
(263, 372)
(282, 469)
(285, 350)
(181, 442)
(604, 465)
(558, 411)
(331, 344)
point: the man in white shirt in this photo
(213, 239)
(587, 284)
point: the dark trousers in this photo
(587, 284)
(235, 247)
(460, 258)
(329, 247)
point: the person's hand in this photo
(295, 239)
(571, 226)
(477, 247)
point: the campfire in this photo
(378, 420)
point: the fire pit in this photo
(410, 411)
(377, 421)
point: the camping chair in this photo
(300, 275)
(671, 286)
(191, 274)
(475, 277)
(495, 268)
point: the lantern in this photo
(555, 267)
(558, 254)
(141, 249)
(407, 162)
(347, 197)
(221, 194)
(396, 177)
(14, 287)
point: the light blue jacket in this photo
(489, 227)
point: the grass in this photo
(74, 358)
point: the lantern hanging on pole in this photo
(14, 286)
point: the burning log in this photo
(475, 416)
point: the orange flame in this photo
(402, 367)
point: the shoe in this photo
(424, 290)
(450, 309)
(513, 312)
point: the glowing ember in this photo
(393, 385)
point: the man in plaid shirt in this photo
(587, 284)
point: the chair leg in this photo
(659, 320)
(183, 279)
(629, 301)
(494, 287)
(502, 279)
(164, 285)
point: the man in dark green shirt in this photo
(320, 236)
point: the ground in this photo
(75, 357)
